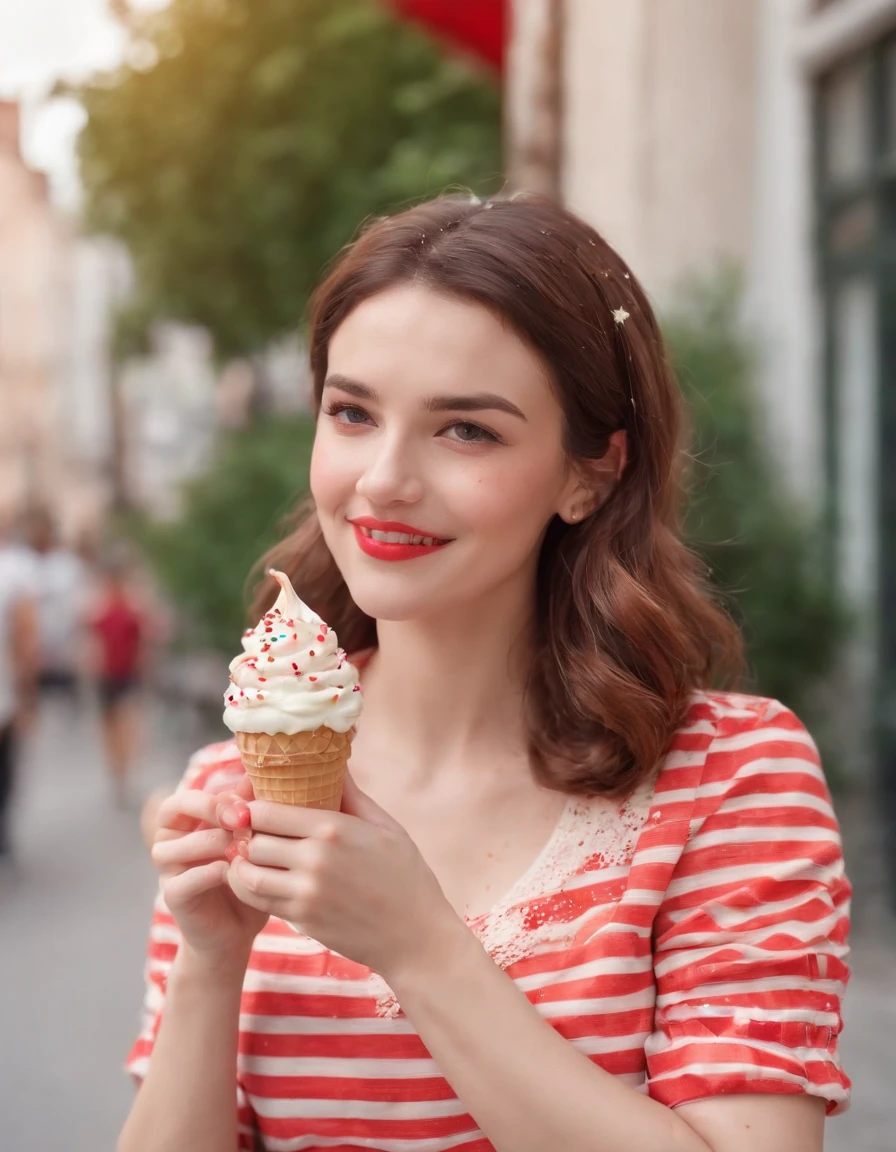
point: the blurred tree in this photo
(231, 515)
(765, 552)
(241, 143)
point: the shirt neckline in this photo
(518, 888)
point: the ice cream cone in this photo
(306, 769)
(293, 703)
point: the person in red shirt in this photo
(577, 897)
(118, 627)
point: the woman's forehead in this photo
(412, 337)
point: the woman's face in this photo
(438, 460)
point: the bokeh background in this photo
(173, 179)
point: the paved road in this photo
(72, 932)
(73, 924)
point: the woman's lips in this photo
(381, 529)
(388, 540)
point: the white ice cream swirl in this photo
(292, 676)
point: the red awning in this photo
(475, 25)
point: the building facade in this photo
(169, 410)
(78, 432)
(58, 295)
(31, 308)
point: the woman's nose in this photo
(390, 477)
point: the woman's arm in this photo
(749, 958)
(529, 1089)
(189, 1096)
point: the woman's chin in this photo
(385, 598)
(384, 606)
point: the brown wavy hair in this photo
(627, 627)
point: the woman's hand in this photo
(149, 815)
(190, 852)
(352, 880)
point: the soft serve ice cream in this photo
(292, 675)
(293, 702)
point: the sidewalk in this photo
(73, 923)
(867, 1046)
(870, 1010)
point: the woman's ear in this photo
(619, 450)
(596, 480)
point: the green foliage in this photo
(231, 515)
(764, 551)
(242, 143)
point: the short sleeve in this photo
(750, 941)
(214, 769)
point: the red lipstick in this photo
(385, 550)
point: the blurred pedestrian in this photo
(118, 622)
(18, 669)
(62, 584)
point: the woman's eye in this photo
(462, 431)
(347, 414)
(471, 433)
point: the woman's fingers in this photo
(261, 887)
(193, 848)
(233, 813)
(279, 851)
(244, 788)
(188, 885)
(149, 815)
(185, 809)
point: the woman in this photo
(575, 898)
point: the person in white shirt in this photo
(18, 667)
(62, 589)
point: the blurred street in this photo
(73, 923)
(74, 919)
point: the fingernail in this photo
(242, 814)
(242, 847)
(232, 851)
(235, 815)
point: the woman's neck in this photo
(453, 686)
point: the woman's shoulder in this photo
(733, 711)
(741, 720)
(213, 768)
(736, 742)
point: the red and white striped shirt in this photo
(690, 941)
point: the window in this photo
(856, 227)
(846, 125)
(889, 78)
(855, 377)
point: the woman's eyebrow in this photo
(353, 387)
(472, 402)
(475, 402)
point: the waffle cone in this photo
(306, 769)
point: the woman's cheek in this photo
(512, 498)
(327, 478)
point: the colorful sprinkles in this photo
(265, 635)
